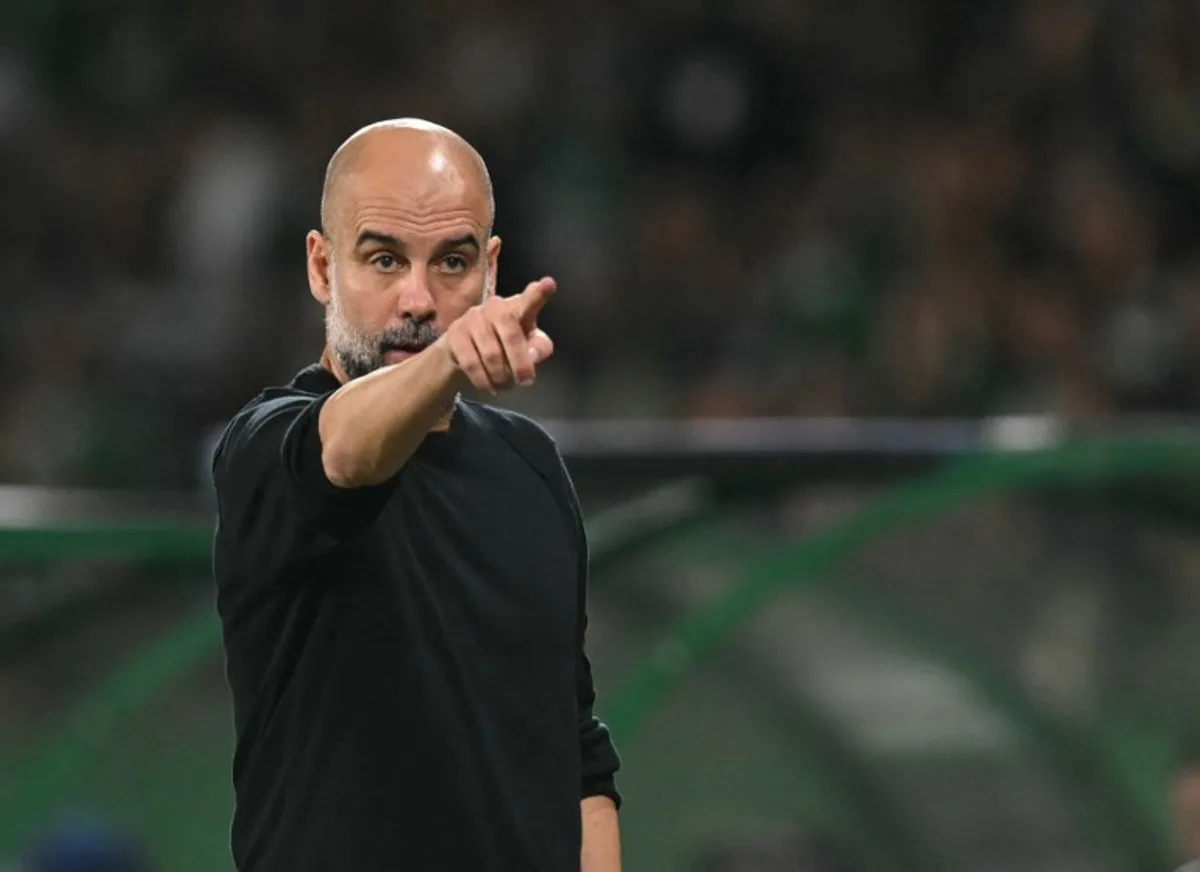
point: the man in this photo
(401, 574)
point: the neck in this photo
(329, 362)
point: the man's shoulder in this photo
(529, 439)
(308, 384)
(507, 422)
(276, 402)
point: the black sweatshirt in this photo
(410, 689)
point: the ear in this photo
(493, 259)
(320, 263)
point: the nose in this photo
(416, 297)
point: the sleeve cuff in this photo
(600, 763)
(605, 785)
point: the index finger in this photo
(530, 301)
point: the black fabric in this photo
(409, 683)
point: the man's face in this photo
(1187, 811)
(408, 254)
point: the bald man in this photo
(401, 574)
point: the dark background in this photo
(822, 212)
(809, 208)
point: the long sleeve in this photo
(596, 748)
(598, 755)
(597, 752)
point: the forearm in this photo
(601, 850)
(372, 425)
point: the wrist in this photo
(455, 379)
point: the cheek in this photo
(360, 308)
(370, 287)
(456, 299)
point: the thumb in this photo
(531, 300)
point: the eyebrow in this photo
(366, 237)
(467, 240)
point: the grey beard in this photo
(359, 353)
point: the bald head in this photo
(415, 160)
(406, 245)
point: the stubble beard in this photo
(359, 353)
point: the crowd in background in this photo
(762, 207)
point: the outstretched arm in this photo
(372, 425)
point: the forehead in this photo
(411, 196)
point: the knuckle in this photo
(478, 376)
(504, 321)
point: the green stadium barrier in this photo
(875, 831)
(127, 689)
(143, 542)
(132, 685)
(1089, 463)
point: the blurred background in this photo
(877, 347)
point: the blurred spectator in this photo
(85, 846)
(821, 208)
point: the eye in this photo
(454, 263)
(385, 262)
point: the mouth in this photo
(396, 354)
